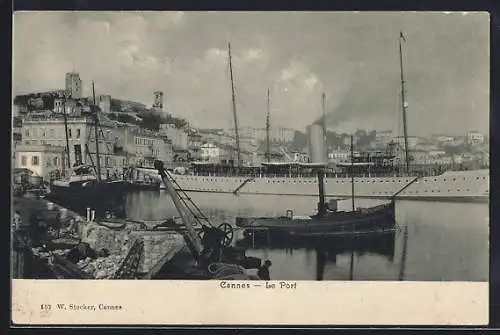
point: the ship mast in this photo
(96, 132)
(403, 102)
(352, 171)
(323, 120)
(235, 117)
(268, 126)
(66, 95)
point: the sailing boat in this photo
(85, 187)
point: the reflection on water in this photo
(446, 241)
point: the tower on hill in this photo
(74, 85)
(158, 101)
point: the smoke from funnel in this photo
(362, 100)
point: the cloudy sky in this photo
(352, 57)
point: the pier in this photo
(74, 247)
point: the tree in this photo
(150, 121)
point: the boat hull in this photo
(101, 197)
(463, 186)
(365, 221)
(143, 187)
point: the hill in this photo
(119, 105)
(125, 111)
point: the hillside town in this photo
(131, 133)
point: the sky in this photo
(352, 57)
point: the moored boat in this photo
(85, 187)
(376, 219)
(83, 190)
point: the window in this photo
(78, 133)
(27, 132)
(43, 132)
(69, 133)
(56, 161)
(35, 160)
(23, 160)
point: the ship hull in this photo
(463, 186)
(100, 197)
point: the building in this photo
(218, 137)
(300, 157)
(194, 145)
(146, 146)
(217, 153)
(74, 85)
(40, 159)
(44, 130)
(340, 156)
(227, 155)
(105, 103)
(443, 139)
(475, 138)
(383, 138)
(276, 134)
(68, 106)
(412, 141)
(179, 137)
(210, 152)
(346, 140)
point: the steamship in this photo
(372, 181)
(447, 186)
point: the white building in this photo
(276, 134)
(68, 106)
(40, 159)
(475, 137)
(443, 139)
(340, 156)
(210, 152)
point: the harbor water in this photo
(444, 241)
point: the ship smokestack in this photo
(317, 147)
(317, 150)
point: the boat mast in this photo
(66, 95)
(323, 120)
(96, 132)
(352, 171)
(268, 126)
(403, 101)
(234, 108)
